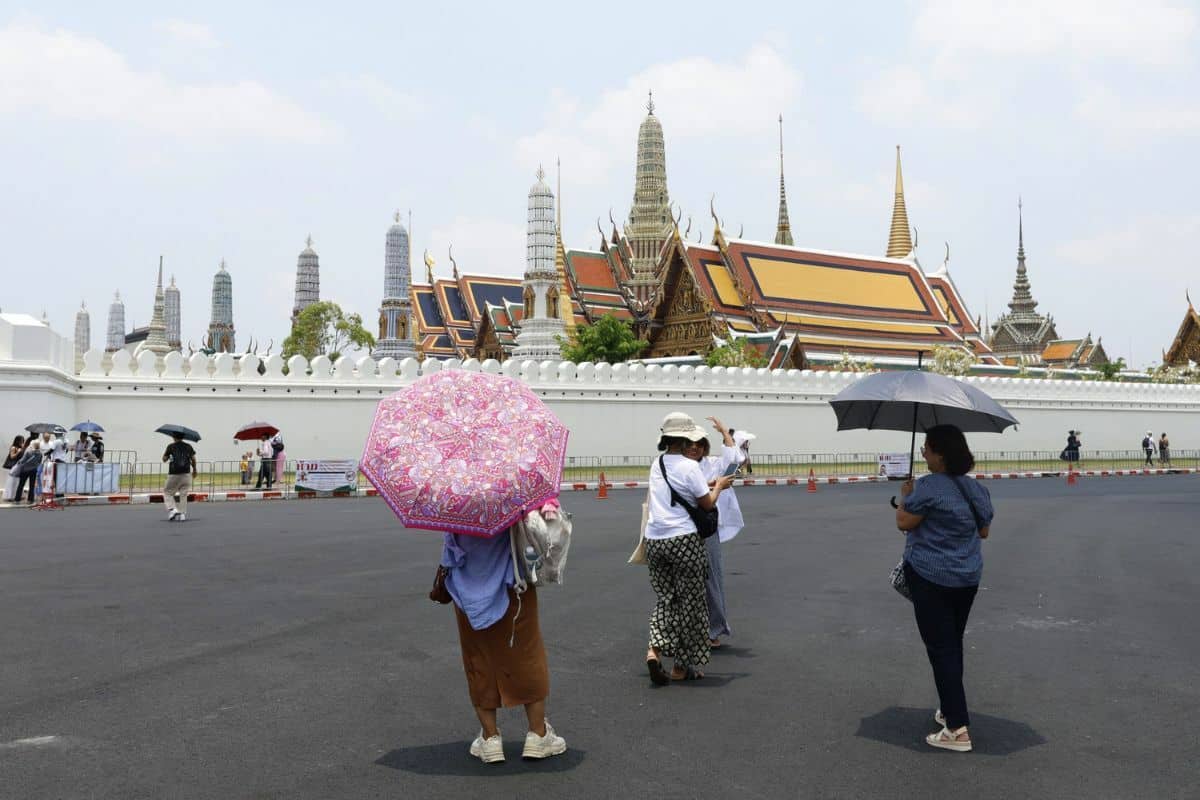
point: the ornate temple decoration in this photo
(83, 332)
(800, 306)
(1073, 353)
(114, 339)
(900, 243)
(1022, 334)
(172, 310)
(221, 337)
(783, 226)
(156, 335)
(650, 220)
(1185, 348)
(308, 280)
(541, 326)
(395, 313)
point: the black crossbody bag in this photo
(706, 522)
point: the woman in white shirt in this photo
(713, 468)
(675, 553)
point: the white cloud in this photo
(481, 245)
(189, 34)
(71, 76)
(1137, 31)
(701, 97)
(1126, 120)
(901, 95)
(384, 98)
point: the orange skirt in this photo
(499, 675)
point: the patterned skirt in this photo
(679, 623)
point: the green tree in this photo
(1112, 370)
(324, 329)
(949, 360)
(607, 339)
(736, 353)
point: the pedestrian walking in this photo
(1070, 453)
(15, 450)
(501, 640)
(266, 462)
(279, 457)
(730, 512)
(1148, 448)
(945, 517)
(676, 553)
(180, 458)
(1164, 451)
(97, 447)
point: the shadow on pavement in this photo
(906, 727)
(736, 652)
(452, 758)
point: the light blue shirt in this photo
(945, 548)
(481, 570)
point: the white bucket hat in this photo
(741, 437)
(681, 425)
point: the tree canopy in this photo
(608, 339)
(324, 329)
(736, 353)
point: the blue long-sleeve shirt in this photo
(945, 548)
(481, 570)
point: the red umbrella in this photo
(255, 430)
(464, 452)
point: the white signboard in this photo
(893, 465)
(326, 475)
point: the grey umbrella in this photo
(178, 430)
(916, 400)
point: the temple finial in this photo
(899, 240)
(650, 103)
(783, 225)
(308, 241)
(1020, 230)
(541, 174)
(396, 216)
(160, 262)
(558, 193)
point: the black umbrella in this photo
(912, 401)
(178, 430)
(46, 427)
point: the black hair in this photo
(18, 441)
(949, 443)
(667, 442)
(706, 446)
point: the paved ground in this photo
(288, 651)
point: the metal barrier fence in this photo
(138, 477)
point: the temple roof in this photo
(1185, 346)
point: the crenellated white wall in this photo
(326, 411)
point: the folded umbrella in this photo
(87, 427)
(172, 430)
(255, 430)
(464, 452)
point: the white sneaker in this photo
(181, 518)
(171, 515)
(544, 746)
(489, 751)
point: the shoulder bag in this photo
(639, 552)
(706, 522)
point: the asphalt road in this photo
(288, 650)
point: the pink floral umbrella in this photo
(464, 452)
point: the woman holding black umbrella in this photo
(944, 517)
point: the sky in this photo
(130, 130)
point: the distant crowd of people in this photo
(28, 456)
(1150, 447)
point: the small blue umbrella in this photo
(87, 427)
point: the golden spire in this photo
(783, 226)
(899, 240)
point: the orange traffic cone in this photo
(603, 495)
(1071, 475)
(812, 482)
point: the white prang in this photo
(540, 326)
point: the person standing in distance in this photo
(180, 459)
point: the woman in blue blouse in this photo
(944, 517)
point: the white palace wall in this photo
(611, 410)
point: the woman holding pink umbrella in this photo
(470, 454)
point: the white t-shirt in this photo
(665, 521)
(266, 451)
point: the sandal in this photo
(946, 739)
(658, 675)
(689, 674)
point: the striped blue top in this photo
(945, 548)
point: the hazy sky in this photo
(202, 131)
